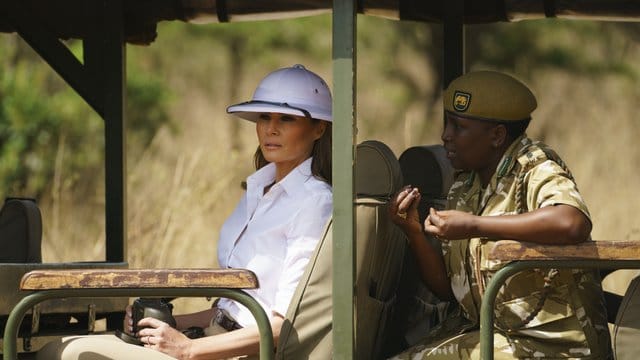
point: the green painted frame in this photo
(501, 276)
(343, 160)
(16, 316)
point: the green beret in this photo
(489, 95)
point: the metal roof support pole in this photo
(100, 82)
(453, 53)
(344, 125)
(109, 45)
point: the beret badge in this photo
(461, 101)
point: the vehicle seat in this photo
(626, 331)
(380, 248)
(427, 168)
(20, 231)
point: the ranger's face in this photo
(468, 142)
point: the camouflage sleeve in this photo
(549, 184)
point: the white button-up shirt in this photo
(274, 235)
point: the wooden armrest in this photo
(509, 250)
(139, 278)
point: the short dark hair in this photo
(516, 128)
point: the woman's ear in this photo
(320, 128)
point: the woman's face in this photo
(287, 140)
(469, 143)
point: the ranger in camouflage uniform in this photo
(508, 187)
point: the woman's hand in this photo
(450, 224)
(158, 335)
(403, 209)
(128, 321)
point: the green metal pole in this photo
(101, 82)
(453, 32)
(18, 312)
(489, 297)
(344, 124)
(113, 80)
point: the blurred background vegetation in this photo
(186, 156)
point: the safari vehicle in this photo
(87, 291)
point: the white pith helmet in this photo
(293, 90)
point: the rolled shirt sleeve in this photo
(549, 184)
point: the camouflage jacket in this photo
(572, 322)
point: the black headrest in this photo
(20, 231)
(428, 168)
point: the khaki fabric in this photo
(508, 101)
(103, 347)
(460, 347)
(572, 323)
(626, 333)
(96, 347)
(378, 273)
(306, 331)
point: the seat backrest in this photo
(419, 310)
(380, 248)
(20, 231)
(626, 330)
(306, 332)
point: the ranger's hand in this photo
(450, 224)
(403, 209)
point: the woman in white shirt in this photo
(273, 230)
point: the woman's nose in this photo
(272, 126)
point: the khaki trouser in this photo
(460, 347)
(104, 347)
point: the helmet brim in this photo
(252, 110)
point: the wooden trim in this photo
(509, 250)
(139, 278)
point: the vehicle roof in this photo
(74, 18)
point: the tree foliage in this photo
(48, 132)
(580, 47)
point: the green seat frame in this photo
(523, 256)
(51, 284)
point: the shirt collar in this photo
(290, 184)
(509, 159)
(505, 165)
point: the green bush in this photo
(48, 132)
